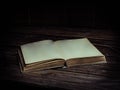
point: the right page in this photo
(76, 48)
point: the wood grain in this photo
(83, 77)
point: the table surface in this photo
(85, 77)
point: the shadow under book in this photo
(48, 54)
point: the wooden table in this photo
(84, 77)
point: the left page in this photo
(39, 51)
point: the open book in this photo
(47, 54)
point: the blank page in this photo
(76, 48)
(39, 51)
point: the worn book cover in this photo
(46, 54)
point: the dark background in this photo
(71, 15)
(81, 15)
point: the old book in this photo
(48, 54)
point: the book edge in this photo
(49, 64)
(21, 60)
(94, 60)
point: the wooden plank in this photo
(73, 32)
(85, 77)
